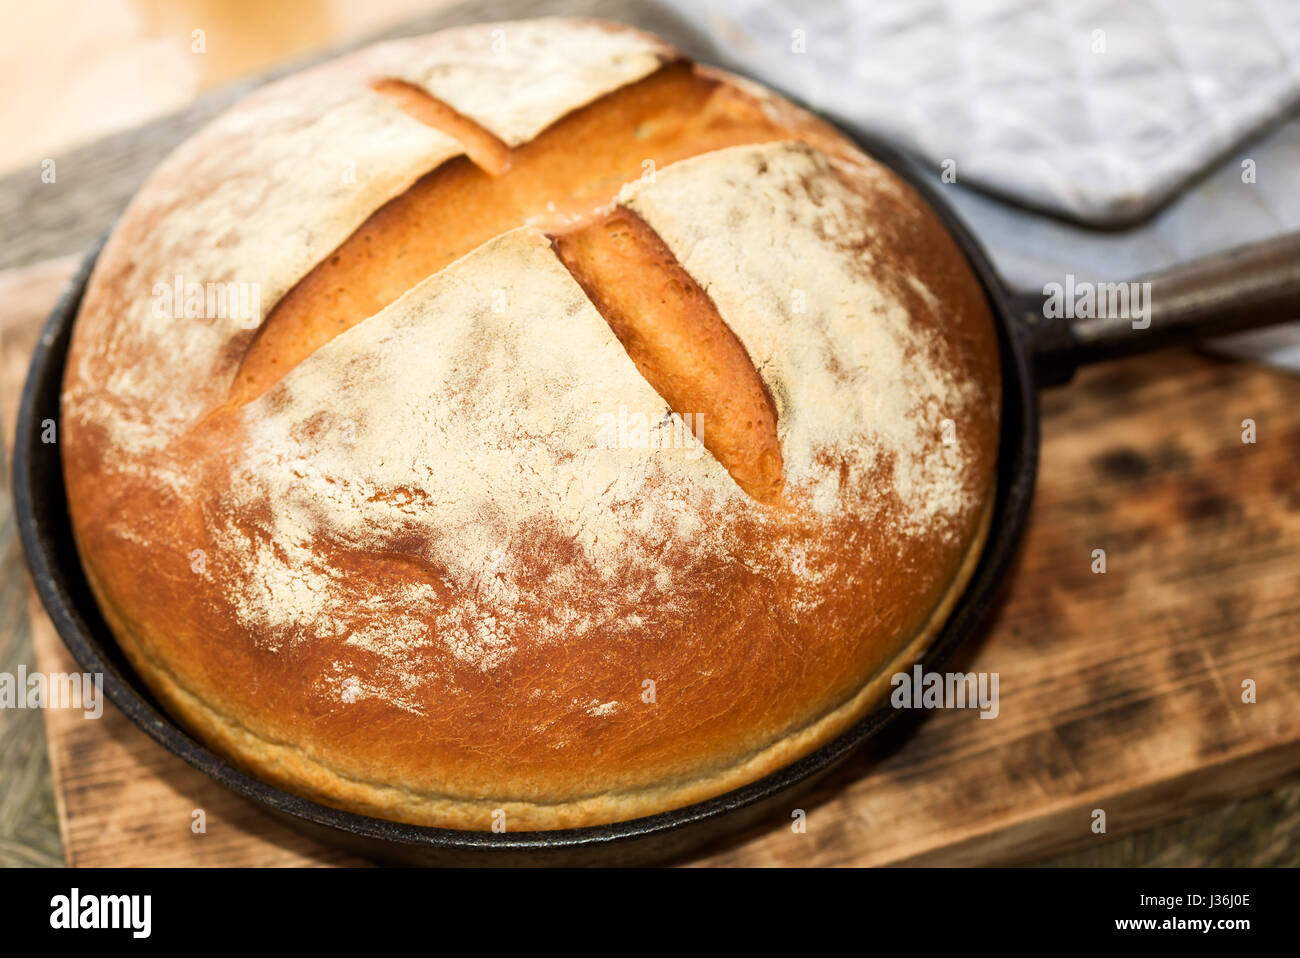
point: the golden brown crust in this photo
(390, 580)
(285, 765)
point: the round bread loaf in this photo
(523, 426)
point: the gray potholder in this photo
(1097, 110)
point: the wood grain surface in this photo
(1119, 691)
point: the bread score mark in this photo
(564, 178)
(484, 149)
(673, 333)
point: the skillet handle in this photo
(1243, 288)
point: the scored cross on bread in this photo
(376, 544)
(565, 181)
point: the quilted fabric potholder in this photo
(1097, 110)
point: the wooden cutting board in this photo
(1119, 691)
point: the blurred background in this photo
(1103, 139)
(100, 66)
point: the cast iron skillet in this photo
(1242, 289)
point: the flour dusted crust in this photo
(412, 577)
(516, 79)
